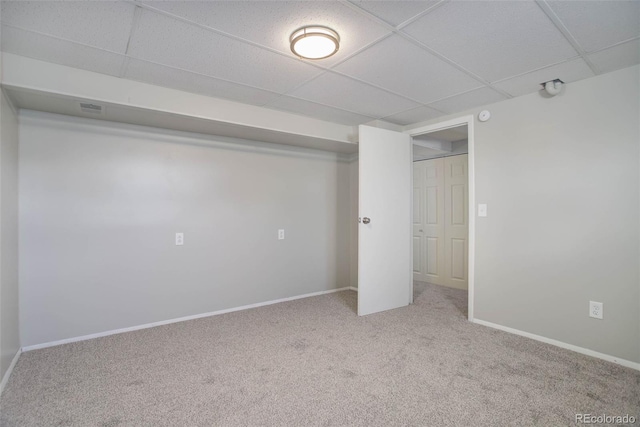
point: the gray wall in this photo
(9, 290)
(100, 204)
(560, 178)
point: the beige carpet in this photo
(314, 362)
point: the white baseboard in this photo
(592, 353)
(179, 319)
(352, 288)
(5, 378)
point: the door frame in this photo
(459, 121)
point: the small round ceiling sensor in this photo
(484, 115)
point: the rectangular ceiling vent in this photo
(87, 107)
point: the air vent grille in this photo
(86, 107)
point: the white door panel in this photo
(419, 263)
(417, 256)
(458, 249)
(458, 204)
(456, 221)
(385, 243)
(441, 221)
(434, 224)
(432, 256)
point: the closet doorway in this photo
(441, 207)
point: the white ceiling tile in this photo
(402, 67)
(190, 82)
(414, 115)
(321, 112)
(270, 23)
(617, 57)
(395, 12)
(468, 100)
(181, 45)
(568, 72)
(33, 45)
(495, 39)
(103, 24)
(345, 93)
(599, 24)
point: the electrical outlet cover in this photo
(595, 309)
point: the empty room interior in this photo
(331, 213)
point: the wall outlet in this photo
(281, 234)
(179, 239)
(595, 309)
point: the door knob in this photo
(366, 220)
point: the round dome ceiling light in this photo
(314, 42)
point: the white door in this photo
(456, 213)
(440, 221)
(384, 238)
(419, 256)
(430, 230)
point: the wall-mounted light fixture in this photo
(314, 42)
(553, 87)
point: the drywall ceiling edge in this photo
(26, 74)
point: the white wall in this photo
(100, 203)
(561, 180)
(9, 321)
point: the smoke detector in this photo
(553, 87)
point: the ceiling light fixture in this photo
(314, 42)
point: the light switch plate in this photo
(482, 209)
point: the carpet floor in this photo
(315, 362)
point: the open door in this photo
(384, 238)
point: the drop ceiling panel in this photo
(414, 115)
(495, 39)
(614, 58)
(161, 75)
(345, 93)
(599, 24)
(239, 50)
(528, 83)
(402, 67)
(103, 24)
(395, 12)
(270, 23)
(468, 100)
(170, 42)
(61, 52)
(322, 112)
